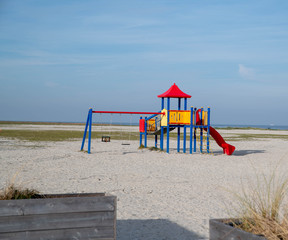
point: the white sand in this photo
(160, 196)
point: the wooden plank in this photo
(56, 221)
(56, 205)
(96, 233)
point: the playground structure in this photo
(166, 120)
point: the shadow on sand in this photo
(240, 152)
(247, 152)
(153, 229)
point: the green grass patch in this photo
(64, 135)
(129, 136)
(240, 128)
(41, 135)
(68, 135)
(37, 123)
(250, 137)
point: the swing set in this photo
(88, 126)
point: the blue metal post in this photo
(85, 131)
(145, 139)
(184, 139)
(162, 128)
(161, 138)
(156, 137)
(178, 129)
(168, 125)
(201, 130)
(184, 128)
(208, 130)
(191, 129)
(90, 130)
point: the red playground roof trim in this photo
(174, 92)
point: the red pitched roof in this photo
(174, 92)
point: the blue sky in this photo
(59, 58)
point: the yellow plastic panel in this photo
(151, 125)
(172, 117)
(205, 117)
(164, 118)
(179, 117)
(186, 117)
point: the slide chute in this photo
(227, 148)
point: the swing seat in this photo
(125, 144)
(105, 138)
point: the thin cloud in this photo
(246, 72)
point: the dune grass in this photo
(263, 209)
(12, 192)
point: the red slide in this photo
(227, 148)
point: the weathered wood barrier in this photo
(68, 216)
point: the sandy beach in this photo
(160, 195)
